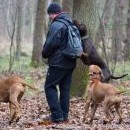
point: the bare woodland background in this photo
(24, 23)
(23, 29)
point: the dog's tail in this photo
(33, 88)
(118, 77)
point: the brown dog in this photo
(98, 92)
(12, 90)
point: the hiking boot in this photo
(50, 120)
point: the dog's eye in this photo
(94, 73)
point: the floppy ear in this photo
(101, 73)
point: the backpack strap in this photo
(64, 22)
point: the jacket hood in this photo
(64, 16)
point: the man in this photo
(60, 68)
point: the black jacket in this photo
(55, 43)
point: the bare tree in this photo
(101, 36)
(19, 28)
(58, 1)
(104, 19)
(83, 10)
(30, 7)
(3, 31)
(127, 40)
(67, 5)
(11, 18)
(39, 33)
(117, 33)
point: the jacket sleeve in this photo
(53, 39)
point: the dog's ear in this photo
(76, 23)
(81, 26)
(101, 73)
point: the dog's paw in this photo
(106, 121)
(17, 118)
(120, 121)
(10, 122)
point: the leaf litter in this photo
(35, 107)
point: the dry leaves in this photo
(34, 108)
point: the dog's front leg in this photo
(88, 100)
(93, 110)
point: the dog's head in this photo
(95, 72)
(81, 26)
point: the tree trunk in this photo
(11, 17)
(19, 29)
(127, 40)
(104, 20)
(58, 1)
(117, 34)
(30, 12)
(39, 33)
(67, 5)
(83, 10)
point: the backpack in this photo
(73, 48)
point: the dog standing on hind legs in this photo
(98, 92)
(92, 54)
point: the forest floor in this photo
(34, 109)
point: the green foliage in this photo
(121, 88)
(21, 67)
(35, 64)
(123, 68)
(4, 62)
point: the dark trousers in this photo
(59, 105)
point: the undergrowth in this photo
(23, 68)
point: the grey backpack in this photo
(73, 48)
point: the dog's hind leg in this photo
(12, 113)
(108, 115)
(15, 92)
(107, 108)
(118, 110)
(13, 101)
(93, 110)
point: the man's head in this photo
(53, 10)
